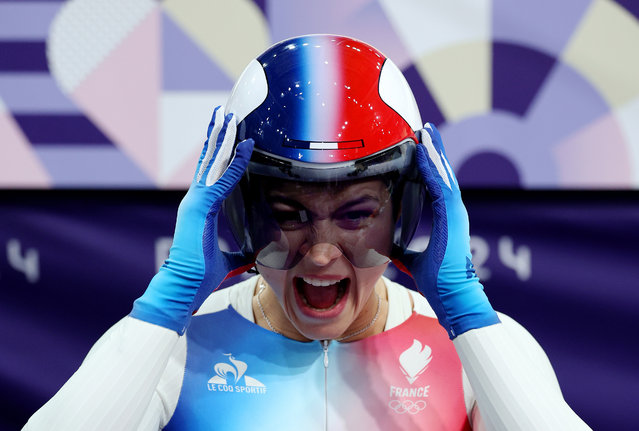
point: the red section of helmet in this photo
(365, 116)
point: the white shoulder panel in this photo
(512, 380)
(239, 296)
(396, 93)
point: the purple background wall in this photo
(577, 293)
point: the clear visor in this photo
(366, 211)
(323, 220)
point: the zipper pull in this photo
(325, 349)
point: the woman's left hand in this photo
(444, 273)
(196, 265)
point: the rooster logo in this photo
(231, 373)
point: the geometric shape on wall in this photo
(83, 166)
(427, 106)
(595, 157)
(121, 95)
(181, 176)
(230, 32)
(361, 19)
(497, 133)
(60, 129)
(19, 165)
(26, 20)
(627, 116)
(262, 5)
(544, 25)
(459, 79)
(566, 114)
(518, 72)
(23, 56)
(604, 49)
(523, 82)
(486, 169)
(84, 32)
(429, 26)
(184, 118)
(565, 103)
(34, 93)
(631, 6)
(184, 65)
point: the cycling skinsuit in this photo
(240, 376)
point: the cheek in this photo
(296, 241)
(380, 236)
(367, 279)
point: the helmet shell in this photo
(324, 108)
(323, 99)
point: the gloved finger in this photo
(436, 155)
(427, 171)
(215, 126)
(224, 151)
(236, 168)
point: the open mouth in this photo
(321, 295)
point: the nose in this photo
(323, 253)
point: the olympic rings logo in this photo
(407, 406)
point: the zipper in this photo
(325, 349)
(325, 344)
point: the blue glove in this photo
(444, 273)
(196, 266)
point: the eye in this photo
(355, 219)
(290, 220)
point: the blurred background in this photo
(104, 107)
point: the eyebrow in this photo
(358, 201)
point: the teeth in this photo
(318, 282)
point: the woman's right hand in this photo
(196, 266)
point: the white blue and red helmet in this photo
(325, 108)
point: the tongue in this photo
(320, 296)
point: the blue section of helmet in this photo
(285, 113)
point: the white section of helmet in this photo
(396, 93)
(249, 91)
